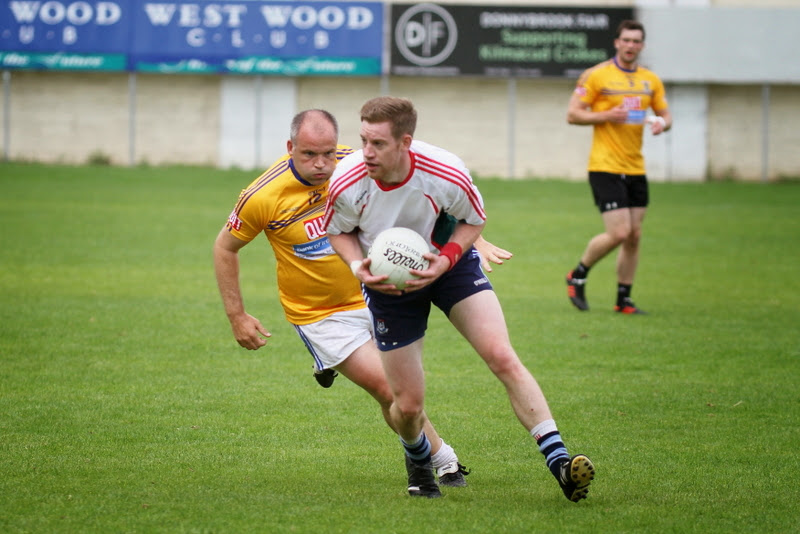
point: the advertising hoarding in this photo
(502, 41)
(245, 37)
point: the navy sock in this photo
(554, 451)
(419, 451)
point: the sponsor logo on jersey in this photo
(635, 116)
(314, 250)
(234, 221)
(632, 102)
(314, 228)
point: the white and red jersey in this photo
(438, 183)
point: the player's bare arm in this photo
(580, 113)
(248, 331)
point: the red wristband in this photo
(452, 251)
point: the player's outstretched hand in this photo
(249, 332)
(490, 253)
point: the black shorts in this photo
(400, 320)
(615, 191)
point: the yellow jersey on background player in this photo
(616, 148)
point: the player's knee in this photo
(382, 394)
(620, 235)
(504, 363)
(633, 238)
(408, 410)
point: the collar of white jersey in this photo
(412, 167)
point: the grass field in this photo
(127, 406)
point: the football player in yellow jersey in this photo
(318, 292)
(614, 97)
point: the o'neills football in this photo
(394, 252)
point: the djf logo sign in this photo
(426, 34)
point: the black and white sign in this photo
(502, 41)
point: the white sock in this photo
(543, 428)
(443, 456)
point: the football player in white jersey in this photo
(396, 181)
(319, 295)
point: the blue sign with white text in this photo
(247, 37)
(285, 29)
(67, 27)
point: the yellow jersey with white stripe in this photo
(313, 282)
(617, 148)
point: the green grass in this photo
(127, 406)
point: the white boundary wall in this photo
(731, 119)
(251, 109)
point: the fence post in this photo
(765, 100)
(6, 115)
(512, 122)
(131, 119)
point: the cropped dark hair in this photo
(629, 25)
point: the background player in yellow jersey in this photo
(319, 294)
(614, 97)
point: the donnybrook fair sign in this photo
(502, 41)
(243, 37)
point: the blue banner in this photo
(283, 29)
(66, 27)
(244, 37)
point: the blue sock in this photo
(550, 445)
(419, 451)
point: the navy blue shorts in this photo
(399, 320)
(615, 191)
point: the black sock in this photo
(580, 271)
(623, 292)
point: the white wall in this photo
(723, 45)
(722, 129)
(681, 154)
(255, 113)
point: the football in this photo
(394, 252)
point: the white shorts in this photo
(331, 340)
